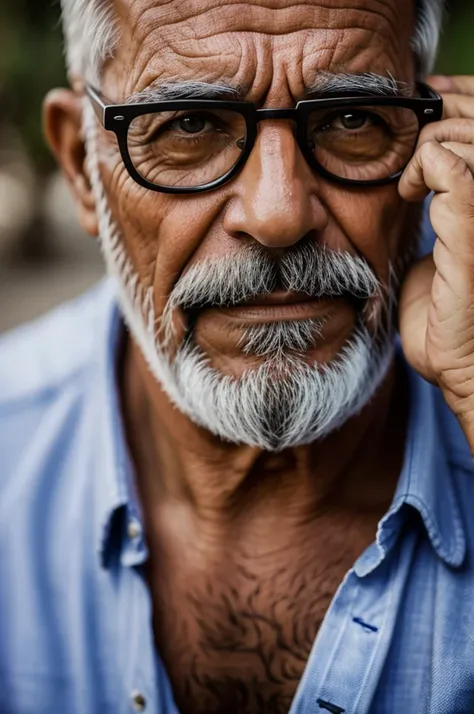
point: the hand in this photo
(437, 301)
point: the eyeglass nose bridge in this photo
(292, 114)
(262, 114)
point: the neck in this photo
(353, 470)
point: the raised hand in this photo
(437, 301)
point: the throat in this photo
(177, 460)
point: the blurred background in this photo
(44, 256)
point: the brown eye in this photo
(352, 121)
(193, 124)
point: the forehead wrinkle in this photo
(357, 57)
(174, 28)
(201, 53)
(287, 18)
(384, 39)
(355, 78)
(232, 74)
(142, 74)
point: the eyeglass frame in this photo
(117, 118)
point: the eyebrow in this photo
(366, 83)
(326, 83)
(187, 89)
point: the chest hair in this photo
(236, 640)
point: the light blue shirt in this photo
(75, 610)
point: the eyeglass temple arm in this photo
(97, 102)
(427, 92)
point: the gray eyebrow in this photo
(365, 83)
(169, 91)
(325, 83)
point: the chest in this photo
(236, 638)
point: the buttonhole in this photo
(333, 708)
(365, 625)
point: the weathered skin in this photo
(246, 548)
(277, 199)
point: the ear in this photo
(62, 120)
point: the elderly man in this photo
(245, 501)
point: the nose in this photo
(277, 202)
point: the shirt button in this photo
(134, 529)
(138, 701)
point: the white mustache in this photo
(309, 268)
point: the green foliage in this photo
(457, 56)
(30, 64)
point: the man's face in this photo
(275, 50)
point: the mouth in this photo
(286, 306)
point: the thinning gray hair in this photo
(91, 35)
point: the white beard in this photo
(280, 404)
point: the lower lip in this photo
(306, 310)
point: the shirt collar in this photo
(110, 456)
(425, 482)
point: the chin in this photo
(282, 365)
(276, 402)
(279, 346)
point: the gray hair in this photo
(92, 35)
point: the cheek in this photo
(137, 218)
(377, 224)
(381, 228)
(160, 233)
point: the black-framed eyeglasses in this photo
(193, 145)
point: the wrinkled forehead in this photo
(259, 44)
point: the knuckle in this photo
(460, 165)
(453, 211)
(429, 150)
(466, 176)
(456, 129)
(428, 154)
(466, 125)
(469, 211)
(456, 163)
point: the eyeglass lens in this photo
(191, 148)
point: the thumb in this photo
(415, 300)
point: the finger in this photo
(459, 130)
(437, 168)
(451, 216)
(464, 151)
(442, 83)
(458, 94)
(413, 315)
(458, 106)
(453, 84)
